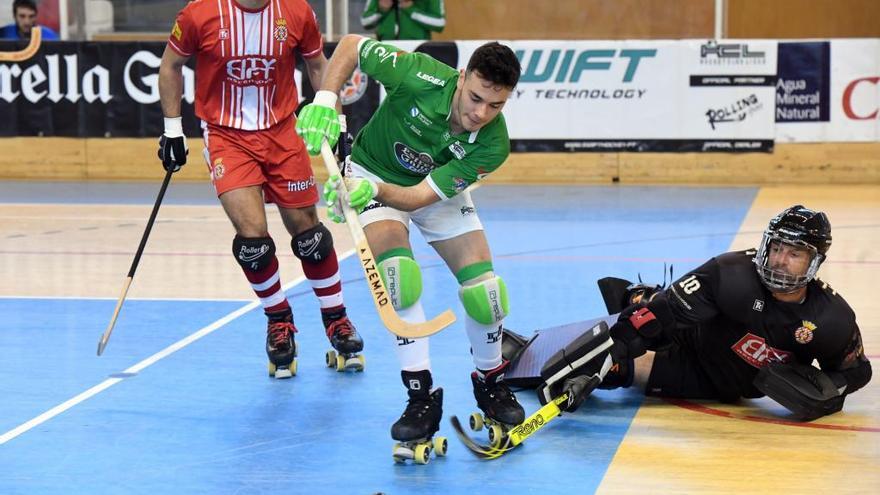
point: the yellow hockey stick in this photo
(515, 435)
(28, 51)
(394, 323)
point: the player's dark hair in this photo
(28, 4)
(496, 63)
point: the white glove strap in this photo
(325, 98)
(173, 127)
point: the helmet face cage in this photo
(778, 280)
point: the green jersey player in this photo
(438, 131)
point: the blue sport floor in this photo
(208, 419)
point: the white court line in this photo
(180, 344)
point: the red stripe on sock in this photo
(325, 269)
(264, 274)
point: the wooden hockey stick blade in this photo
(486, 452)
(394, 323)
(102, 342)
(28, 51)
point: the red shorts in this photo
(275, 158)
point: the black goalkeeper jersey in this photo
(733, 324)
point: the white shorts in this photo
(437, 222)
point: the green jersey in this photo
(408, 138)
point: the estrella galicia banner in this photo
(88, 89)
(111, 89)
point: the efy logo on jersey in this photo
(280, 32)
(412, 160)
(804, 334)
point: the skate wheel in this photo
(496, 435)
(363, 363)
(476, 421)
(440, 446)
(340, 363)
(292, 367)
(422, 454)
(401, 453)
(354, 363)
(330, 358)
(271, 369)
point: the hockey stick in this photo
(26, 52)
(389, 317)
(515, 435)
(102, 343)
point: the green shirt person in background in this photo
(404, 19)
(438, 131)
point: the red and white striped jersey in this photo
(245, 59)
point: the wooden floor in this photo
(82, 249)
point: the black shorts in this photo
(678, 373)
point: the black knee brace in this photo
(313, 245)
(253, 253)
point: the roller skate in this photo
(500, 409)
(280, 346)
(415, 429)
(346, 345)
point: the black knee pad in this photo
(253, 253)
(313, 245)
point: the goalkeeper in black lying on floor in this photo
(742, 325)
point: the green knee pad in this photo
(403, 279)
(486, 301)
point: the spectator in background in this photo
(404, 19)
(25, 14)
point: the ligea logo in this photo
(755, 351)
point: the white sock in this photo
(413, 354)
(485, 343)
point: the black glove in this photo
(172, 145)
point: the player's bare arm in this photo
(171, 82)
(172, 145)
(342, 63)
(406, 198)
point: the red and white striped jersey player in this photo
(246, 97)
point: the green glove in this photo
(318, 121)
(360, 192)
(331, 197)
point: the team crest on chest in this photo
(224, 34)
(804, 334)
(280, 32)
